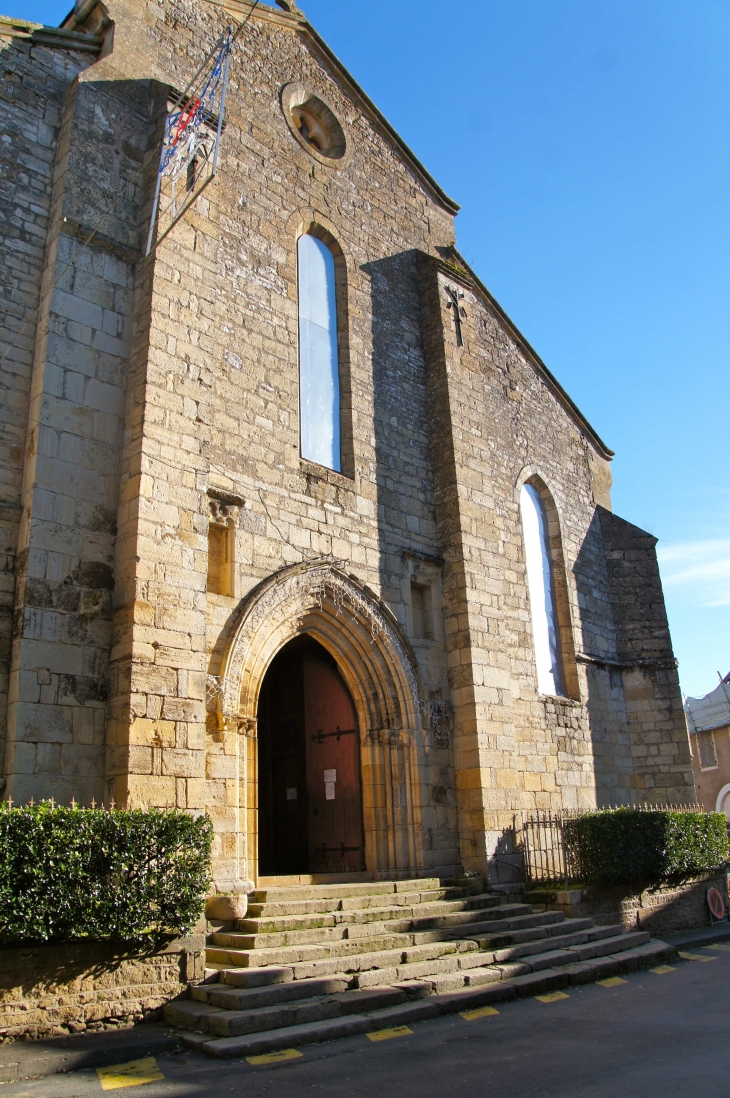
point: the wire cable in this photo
(145, 165)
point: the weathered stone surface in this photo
(661, 909)
(226, 907)
(140, 391)
(47, 990)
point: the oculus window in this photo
(541, 588)
(319, 381)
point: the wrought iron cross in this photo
(459, 311)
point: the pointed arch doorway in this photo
(309, 783)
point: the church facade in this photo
(299, 530)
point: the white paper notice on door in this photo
(291, 794)
(329, 791)
(330, 776)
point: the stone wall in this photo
(35, 78)
(161, 385)
(664, 909)
(654, 713)
(50, 990)
(498, 420)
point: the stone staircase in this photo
(313, 963)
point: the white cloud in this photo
(701, 568)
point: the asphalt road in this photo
(664, 1035)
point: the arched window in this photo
(541, 587)
(319, 382)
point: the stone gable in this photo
(166, 398)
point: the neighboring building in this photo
(708, 722)
(299, 529)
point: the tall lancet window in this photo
(541, 587)
(319, 382)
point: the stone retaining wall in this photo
(660, 910)
(51, 990)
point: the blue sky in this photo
(589, 146)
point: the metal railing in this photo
(544, 848)
(546, 851)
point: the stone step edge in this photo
(432, 970)
(554, 932)
(407, 899)
(325, 936)
(598, 940)
(536, 983)
(352, 888)
(379, 914)
(218, 957)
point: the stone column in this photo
(65, 569)
(484, 747)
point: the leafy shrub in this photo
(126, 875)
(625, 846)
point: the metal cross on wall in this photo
(456, 297)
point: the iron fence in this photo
(546, 852)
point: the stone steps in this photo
(285, 978)
(273, 909)
(229, 1033)
(477, 921)
(371, 970)
(424, 909)
(343, 891)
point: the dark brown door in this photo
(333, 771)
(282, 788)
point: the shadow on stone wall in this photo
(637, 726)
(67, 987)
(400, 416)
(406, 520)
(659, 909)
(608, 722)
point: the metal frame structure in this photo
(192, 137)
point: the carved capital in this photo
(248, 727)
(221, 513)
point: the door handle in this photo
(319, 736)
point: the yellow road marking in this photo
(132, 1074)
(480, 1012)
(612, 981)
(386, 1034)
(552, 997)
(718, 946)
(695, 957)
(274, 1057)
(662, 969)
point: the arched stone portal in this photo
(382, 676)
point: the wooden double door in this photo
(310, 795)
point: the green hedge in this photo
(624, 846)
(126, 875)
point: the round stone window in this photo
(314, 124)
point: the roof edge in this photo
(379, 120)
(53, 37)
(461, 269)
(297, 21)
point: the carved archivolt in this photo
(350, 622)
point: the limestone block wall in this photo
(70, 987)
(659, 746)
(65, 574)
(498, 421)
(660, 909)
(34, 80)
(217, 410)
(161, 385)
